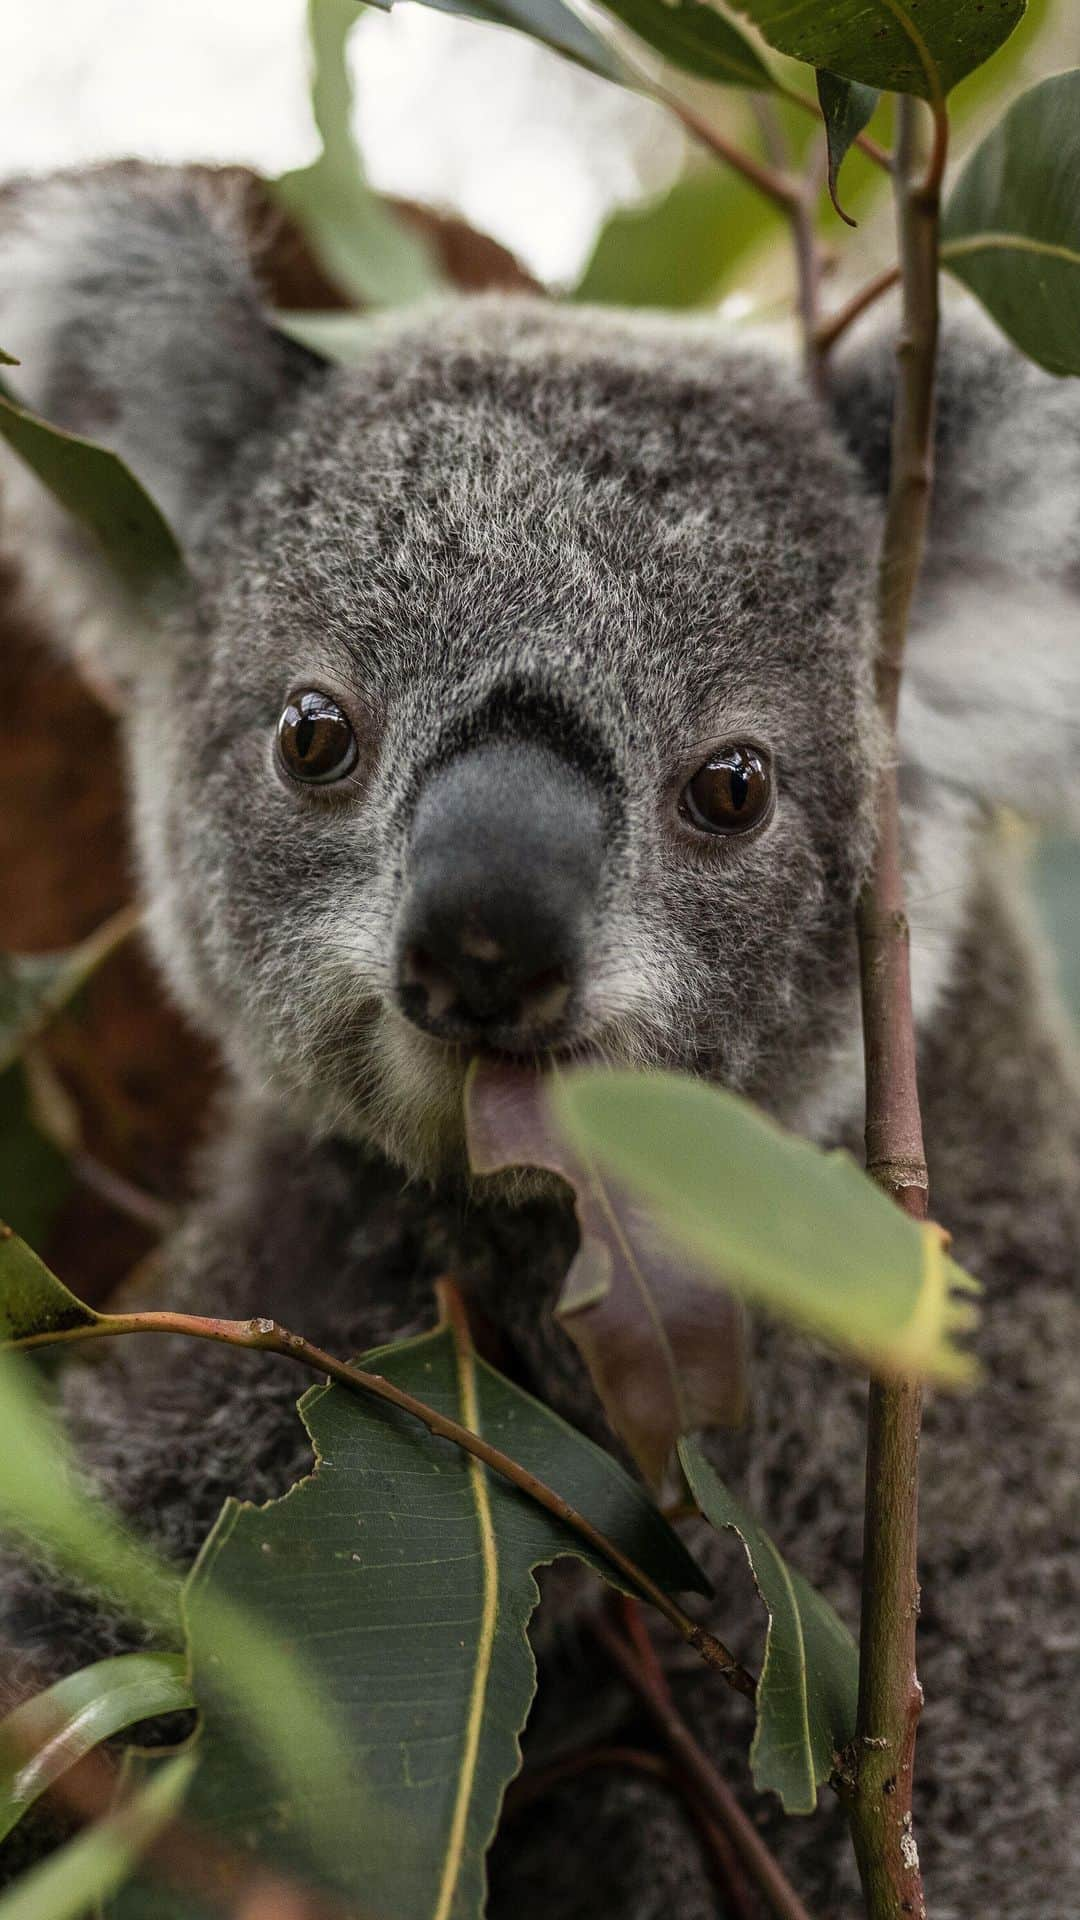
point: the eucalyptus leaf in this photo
(664, 1348)
(696, 38)
(401, 1573)
(1011, 229)
(904, 46)
(35, 987)
(549, 21)
(808, 1689)
(102, 492)
(34, 1304)
(846, 107)
(343, 338)
(49, 1510)
(801, 1232)
(46, 1736)
(35, 1178)
(682, 249)
(362, 244)
(70, 1883)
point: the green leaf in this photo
(548, 21)
(341, 337)
(35, 987)
(99, 490)
(44, 1505)
(682, 249)
(7, 359)
(370, 253)
(71, 1882)
(808, 1689)
(665, 1351)
(802, 1232)
(696, 38)
(904, 46)
(46, 1736)
(49, 1510)
(401, 1571)
(34, 1304)
(846, 108)
(34, 1175)
(1054, 882)
(1011, 230)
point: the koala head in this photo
(523, 702)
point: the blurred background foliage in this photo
(432, 151)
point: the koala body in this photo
(417, 768)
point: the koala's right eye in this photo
(315, 741)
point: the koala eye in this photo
(315, 741)
(730, 793)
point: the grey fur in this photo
(627, 538)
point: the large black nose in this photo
(503, 869)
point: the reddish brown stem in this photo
(777, 185)
(537, 1782)
(266, 1336)
(694, 1764)
(877, 1787)
(830, 330)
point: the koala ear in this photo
(991, 702)
(128, 296)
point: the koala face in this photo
(527, 709)
(524, 702)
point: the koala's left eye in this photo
(315, 740)
(730, 793)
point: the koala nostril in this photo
(545, 998)
(422, 973)
(460, 987)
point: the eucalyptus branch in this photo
(646, 1679)
(536, 1783)
(808, 273)
(266, 1336)
(777, 185)
(796, 198)
(878, 1787)
(830, 330)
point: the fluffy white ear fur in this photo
(128, 297)
(991, 702)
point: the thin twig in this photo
(266, 1336)
(808, 277)
(877, 1785)
(537, 1782)
(778, 186)
(772, 130)
(830, 330)
(122, 1194)
(692, 1760)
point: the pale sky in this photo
(472, 118)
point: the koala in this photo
(523, 703)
